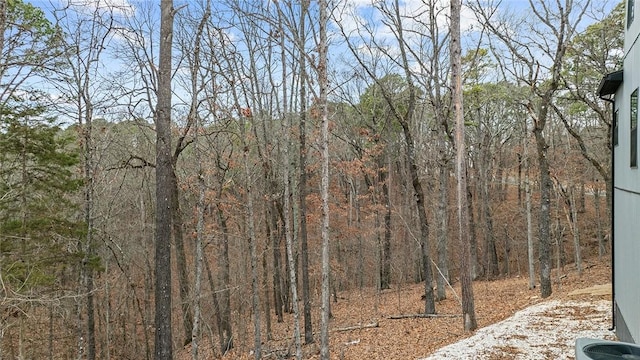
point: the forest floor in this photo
(362, 326)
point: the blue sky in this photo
(352, 14)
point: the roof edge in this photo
(610, 83)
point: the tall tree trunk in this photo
(217, 310)
(358, 224)
(476, 268)
(323, 82)
(181, 259)
(581, 199)
(163, 339)
(91, 322)
(519, 179)
(442, 215)
(3, 27)
(302, 181)
(289, 242)
(224, 308)
(191, 321)
(507, 252)
(405, 120)
(527, 194)
(89, 192)
(544, 220)
(600, 234)
(385, 258)
(195, 330)
(573, 222)
(557, 236)
(271, 225)
(267, 301)
(253, 252)
(468, 308)
(491, 254)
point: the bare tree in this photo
(302, 181)
(535, 56)
(289, 242)
(527, 192)
(87, 36)
(404, 114)
(468, 309)
(194, 118)
(164, 171)
(595, 51)
(199, 254)
(323, 83)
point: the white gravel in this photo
(547, 330)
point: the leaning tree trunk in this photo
(405, 119)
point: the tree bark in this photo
(181, 258)
(267, 301)
(476, 268)
(163, 339)
(573, 223)
(271, 226)
(302, 180)
(253, 253)
(289, 242)
(527, 194)
(226, 335)
(443, 229)
(323, 82)
(596, 201)
(544, 220)
(491, 254)
(195, 330)
(405, 119)
(468, 308)
(385, 268)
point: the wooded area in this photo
(187, 173)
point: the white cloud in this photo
(354, 15)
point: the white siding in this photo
(626, 177)
(626, 220)
(627, 264)
(632, 30)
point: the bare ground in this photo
(362, 327)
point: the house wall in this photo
(626, 194)
(627, 253)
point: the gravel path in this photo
(547, 330)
